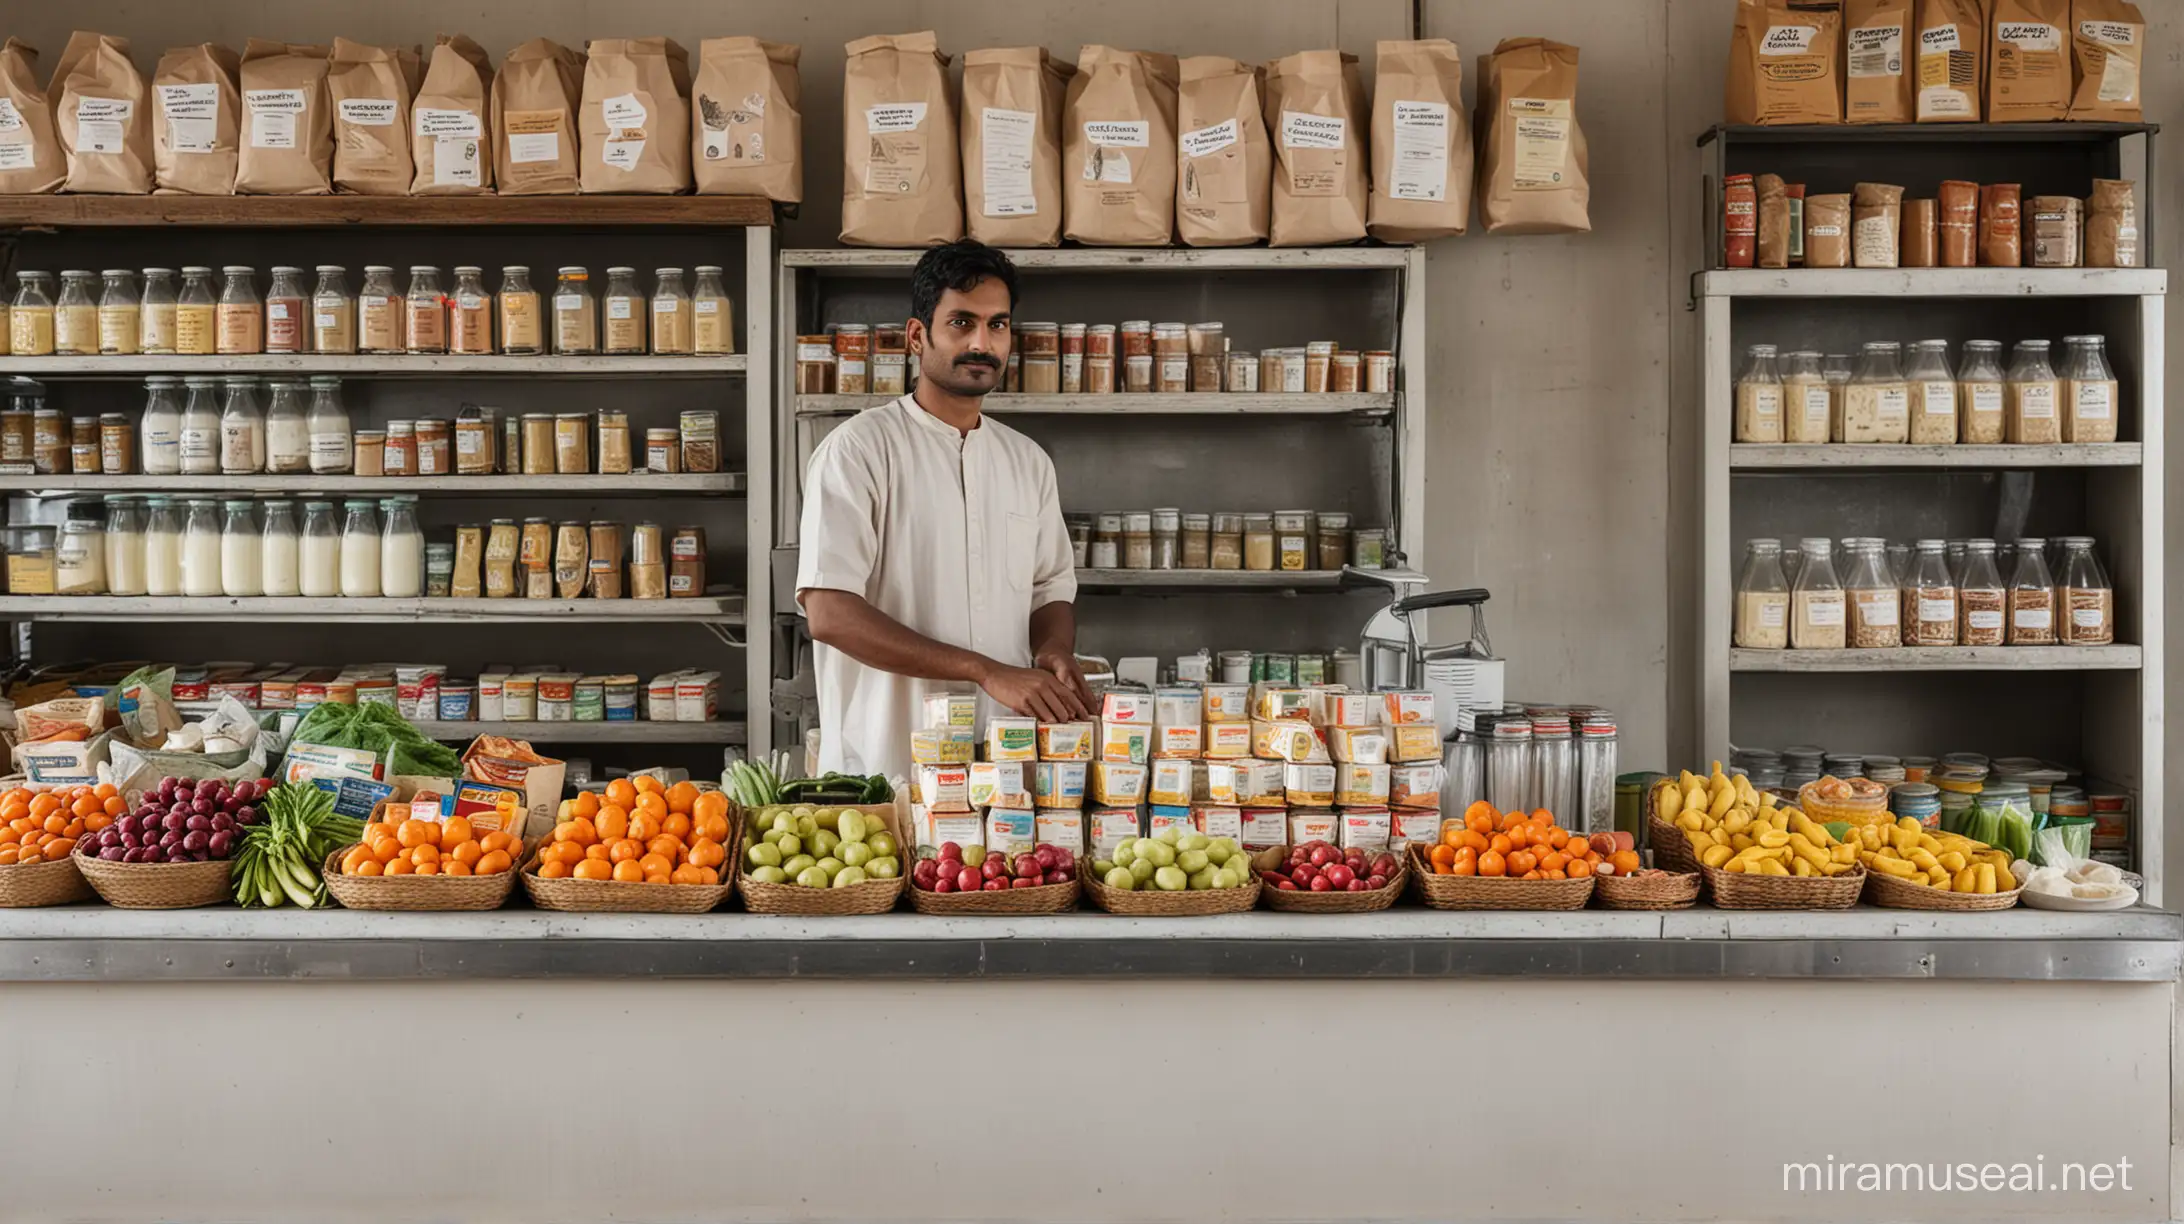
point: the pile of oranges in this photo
(430, 847)
(43, 827)
(1524, 846)
(640, 832)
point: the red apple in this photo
(995, 869)
(1320, 884)
(968, 880)
(944, 884)
(996, 886)
(950, 850)
(1357, 885)
(1030, 881)
(1323, 854)
(1286, 884)
(1339, 875)
(924, 874)
(1376, 881)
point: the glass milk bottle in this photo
(125, 573)
(713, 315)
(201, 549)
(333, 312)
(121, 313)
(401, 551)
(159, 435)
(2089, 391)
(2031, 412)
(76, 317)
(1931, 610)
(1817, 615)
(199, 442)
(279, 551)
(319, 567)
(241, 551)
(2086, 602)
(242, 428)
(1763, 598)
(360, 551)
(287, 429)
(1933, 394)
(240, 316)
(162, 547)
(1759, 397)
(195, 312)
(156, 312)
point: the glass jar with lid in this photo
(1805, 415)
(156, 312)
(287, 312)
(30, 559)
(201, 548)
(625, 313)
(242, 550)
(1980, 393)
(1877, 404)
(79, 558)
(2031, 405)
(1933, 394)
(199, 441)
(424, 312)
(239, 319)
(30, 315)
(2032, 596)
(1106, 547)
(1763, 598)
(671, 317)
(359, 551)
(160, 431)
(242, 427)
(1226, 547)
(1197, 547)
(401, 551)
(1167, 538)
(76, 316)
(379, 312)
(318, 569)
(1759, 397)
(712, 315)
(1137, 540)
(2086, 604)
(470, 314)
(1293, 539)
(1930, 598)
(121, 313)
(1873, 601)
(576, 322)
(280, 551)
(196, 333)
(1982, 600)
(2089, 403)
(1836, 371)
(287, 428)
(1818, 618)
(162, 546)
(1259, 551)
(521, 331)
(333, 312)
(1332, 528)
(124, 546)
(328, 427)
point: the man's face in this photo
(966, 349)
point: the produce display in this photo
(1527, 846)
(278, 860)
(1175, 861)
(760, 784)
(44, 826)
(1319, 867)
(184, 821)
(431, 847)
(820, 847)
(1731, 825)
(639, 831)
(976, 869)
(1947, 861)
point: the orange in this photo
(644, 827)
(1443, 856)
(1531, 875)
(563, 852)
(105, 790)
(648, 785)
(621, 794)
(1578, 869)
(1463, 867)
(707, 875)
(597, 850)
(1542, 817)
(586, 804)
(43, 806)
(85, 806)
(356, 856)
(117, 807)
(1519, 837)
(415, 833)
(30, 856)
(1624, 861)
(1476, 840)
(466, 852)
(1556, 874)
(1501, 844)
(385, 849)
(629, 872)
(708, 853)
(369, 867)
(651, 804)
(455, 867)
(55, 823)
(427, 853)
(400, 866)
(613, 823)
(494, 841)
(656, 864)
(1492, 864)
(682, 797)
(667, 846)
(432, 868)
(566, 832)
(593, 869)
(493, 862)
(710, 827)
(454, 831)
(1554, 861)
(686, 874)
(660, 878)
(710, 804)
(677, 824)
(11, 854)
(552, 869)
(586, 831)
(625, 850)
(1522, 862)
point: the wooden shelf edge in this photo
(291, 212)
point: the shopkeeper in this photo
(934, 556)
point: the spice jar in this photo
(161, 440)
(2088, 391)
(333, 312)
(287, 428)
(240, 317)
(1982, 600)
(1334, 539)
(1293, 539)
(1296, 370)
(1930, 599)
(1040, 345)
(2032, 395)
(1871, 598)
(1817, 617)
(712, 315)
(1805, 403)
(156, 312)
(1167, 539)
(576, 324)
(470, 314)
(1197, 541)
(519, 321)
(700, 430)
(117, 444)
(79, 559)
(424, 318)
(1379, 371)
(852, 359)
(370, 448)
(1763, 598)
(30, 317)
(435, 446)
(242, 427)
(2086, 602)
(572, 443)
(614, 452)
(379, 312)
(1106, 552)
(671, 320)
(814, 365)
(1759, 397)
(1933, 394)
(401, 454)
(30, 560)
(120, 314)
(49, 441)
(474, 442)
(538, 444)
(196, 332)
(1209, 351)
(1319, 360)
(686, 563)
(1171, 358)
(199, 440)
(332, 451)
(1080, 538)
(1259, 552)
(1225, 547)
(1243, 371)
(1137, 540)
(285, 321)
(663, 451)
(1070, 339)
(76, 317)
(1344, 375)
(2032, 597)
(1877, 404)
(83, 445)
(625, 311)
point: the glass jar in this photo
(287, 428)
(625, 313)
(49, 442)
(121, 313)
(280, 558)
(671, 321)
(439, 570)
(1763, 598)
(117, 444)
(435, 446)
(1929, 598)
(1293, 540)
(1805, 415)
(360, 551)
(241, 551)
(318, 570)
(1877, 404)
(76, 317)
(2032, 597)
(1980, 393)
(1509, 764)
(156, 312)
(400, 455)
(1818, 619)
(79, 558)
(242, 427)
(201, 549)
(1258, 533)
(1875, 606)
(1226, 548)
(1333, 530)
(1197, 547)
(199, 441)
(2033, 395)
(287, 320)
(1835, 369)
(83, 446)
(30, 559)
(379, 312)
(162, 546)
(713, 315)
(1167, 539)
(470, 314)
(401, 551)
(30, 316)
(1369, 548)
(196, 312)
(239, 319)
(2089, 403)
(520, 329)
(424, 312)
(1137, 540)
(1759, 397)
(2087, 601)
(1933, 394)
(333, 312)
(1982, 600)
(160, 433)
(576, 323)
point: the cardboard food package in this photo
(196, 120)
(902, 180)
(1316, 115)
(1827, 231)
(2028, 60)
(1532, 177)
(1785, 63)
(1877, 65)
(1421, 143)
(747, 136)
(368, 96)
(1224, 161)
(1876, 217)
(1119, 148)
(31, 160)
(1012, 145)
(288, 131)
(103, 115)
(451, 129)
(634, 123)
(2111, 225)
(535, 97)
(1952, 60)
(2108, 48)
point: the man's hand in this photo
(1064, 666)
(1034, 693)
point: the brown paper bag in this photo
(1225, 162)
(902, 180)
(1317, 118)
(102, 112)
(2028, 73)
(1532, 176)
(634, 123)
(31, 160)
(1785, 63)
(1119, 148)
(1771, 233)
(1012, 145)
(196, 119)
(2111, 225)
(1421, 143)
(368, 98)
(747, 137)
(2108, 47)
(1827, 231)
(1952, 63)
(535, 97)
(1877, 65)
(288, 130)
(451, 133)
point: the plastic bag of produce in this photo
(133, 768)
(2072, 834)
(143, 705)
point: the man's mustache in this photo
(978, 359)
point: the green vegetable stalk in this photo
(277, 863)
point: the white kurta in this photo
(959, 538)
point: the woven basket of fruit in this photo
(172, 846)
(1172, 874)
(640, 848)
(1912, 867)
(1741, 890)
(1670, 846)
(1480, 861)
(38, 835)
(847, 860)
(1647, 890)
(1043, 881)
(149, 885)
(43, 882)
(467, 872)
(1894, 892)
(1477, 892)
(1316, 878)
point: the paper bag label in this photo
(2029, 35)
(1421, 152)
(622, 154)
(623, 111)
(1304, 130)
(1876, 51)
(456, 162)
(1207, 141)
(101, 122)
(533, 136)
(894, 117)
(1542, 135)
(367, 112)
(435, 122)
(1939, 40)
(1007, 139)
(736, 135)
(1788, 40)
(273, 114)
(193, 113)
(17, 156)
(11, 120)
(1118, 134)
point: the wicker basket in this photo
(870, 897)
(1301, 901)
(1891, 892)
(1045, 899)
(1455, 892)
(24, 885)
(1154, 903)
(1739, 891)
(572, 895)
(1671, 849)
(416, 892)
(1660, 892)
(159, 885)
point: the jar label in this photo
(2093, 401)
(2034, 618)
(1892, 403)
(1772, 615)
(1940, 398)
(1877, 607)
(197, 444)
(2087, 618)
(1823, 612)
(1938, 610)
(2036, 399)
(569, 301)
(1987, 397)
(1989, 619)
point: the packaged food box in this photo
(1012, 739)
(697, 696)
(934, 830)
(1365, 828)
(1263, 827)
(1161, 817)
(1062, 828)
(1116, 783)
(1001, 784)
(1270, 703)
(1346, 709)
(1319, 702)
(1130, 742)
(1012, 833)
(1358, 745)
(1413, 826)
(952, 710)
(1293, 740)
(358, 798)
(1184, 741)
(1106, 827)
(943, 746)
(1059, 784)
(1215, 783)
(1416, 786)
(1226, 740)
(1125, 707)
(1178, 707)
(1313, 824)
(1404, 708)
(1215, 820)
(1169, 784)
(1309, 785)
(1361, 785)
(1070, 741)
(1414, 742)
(945, 788)
(1260, 784)
(1227, 703)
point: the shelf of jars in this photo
(594, 731)
(1939, 659)
(60, 212)
(1822, 456)
(1929, 282)
(379, 365)
(505, 484)
(1123, 259)
(1148, 403)
(721, 609)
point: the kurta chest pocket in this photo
(1022, 556)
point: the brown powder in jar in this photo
(284, 317)
(1739, 221)
(1958, 226)
(241, 327)
(424, 324)
(2032, 617)
(2001, 225)
(1874, 619)
(686, 563)
(1931, 616)
(1773, 230)
(2089, 410)
(2092, 616)
(1921, 237)
(1981, 610)
(1980, 412)
(604, 580)
(519, 321)
(1827, 231)
(472, 324)
(379, 323)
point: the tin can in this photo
(83, 445)
(1136, 337)
(519, 697)
(1072, 340)
(663, 451)
(588, 702)
(458, 701)
(1344, 376)
(490, 705)
(538, 444)
(1099, 375)
(1137, 374)
(620, 698)
(1379, 371)
(435, 446)
(572, 444)
(605, 562)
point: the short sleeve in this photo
(840, 538)
(1055, 580)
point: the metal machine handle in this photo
(1472, 598)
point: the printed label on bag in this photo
(1421, 152)
(273, 116)
(894, 117)
(1207, 141)
(623, 111)
(101, 123)
(1542, 139)
(1118, 134)
(193, 117)
(533, 136)
(1304, 130)
(1006, 136)
(11, 119)
(433, 121)
(367, 112)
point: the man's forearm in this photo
(853, 626)
(1054, 631)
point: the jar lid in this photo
(238, 503)
(323, 269)
(110, 273)
(468, 270)
(667, 272)
(1915, 790)
(712, 268)
(621, 271)
(317, 505)
(371, 435)
(2007, 790)
(159, 271)
(323, 382)
(187, 270)
(237, 270)
(419, 269)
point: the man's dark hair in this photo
(960, 266)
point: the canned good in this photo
(458, 701)
(1379, 371)
(572, 443)
(700, 441)
(663, 451)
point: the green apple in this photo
(784, 822)
(1171, 879)
(797, 864)
(1160, 853)
(1123, 851)
(832, 866)
(1224, 878)
(1226, 843)
(764, 854)
(806, 825)
(823, 842)
(848, 876)
(883, 844)
(812, 877)
(974, 854)
(885, 867)
(1100, 867)
(1120, 877)
(790, 845)
(770, 875)
(1202, 879)
(1141, 870)
(1170, 835)
(1192, 861)
(1216, 853)
(1192, 841)
(855, 853)
(851, 826)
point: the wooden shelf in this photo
(1202, 403)
(640, 731)
(1210, 580)
(1924, 133)
(1940, 658)
(1931, 282)
(1123, 259)
(637, 484)
(723, 610)
(378, 365)
(304, 212)
(1761, 456)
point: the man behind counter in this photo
(934, 555)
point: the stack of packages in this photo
(1264, 764)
